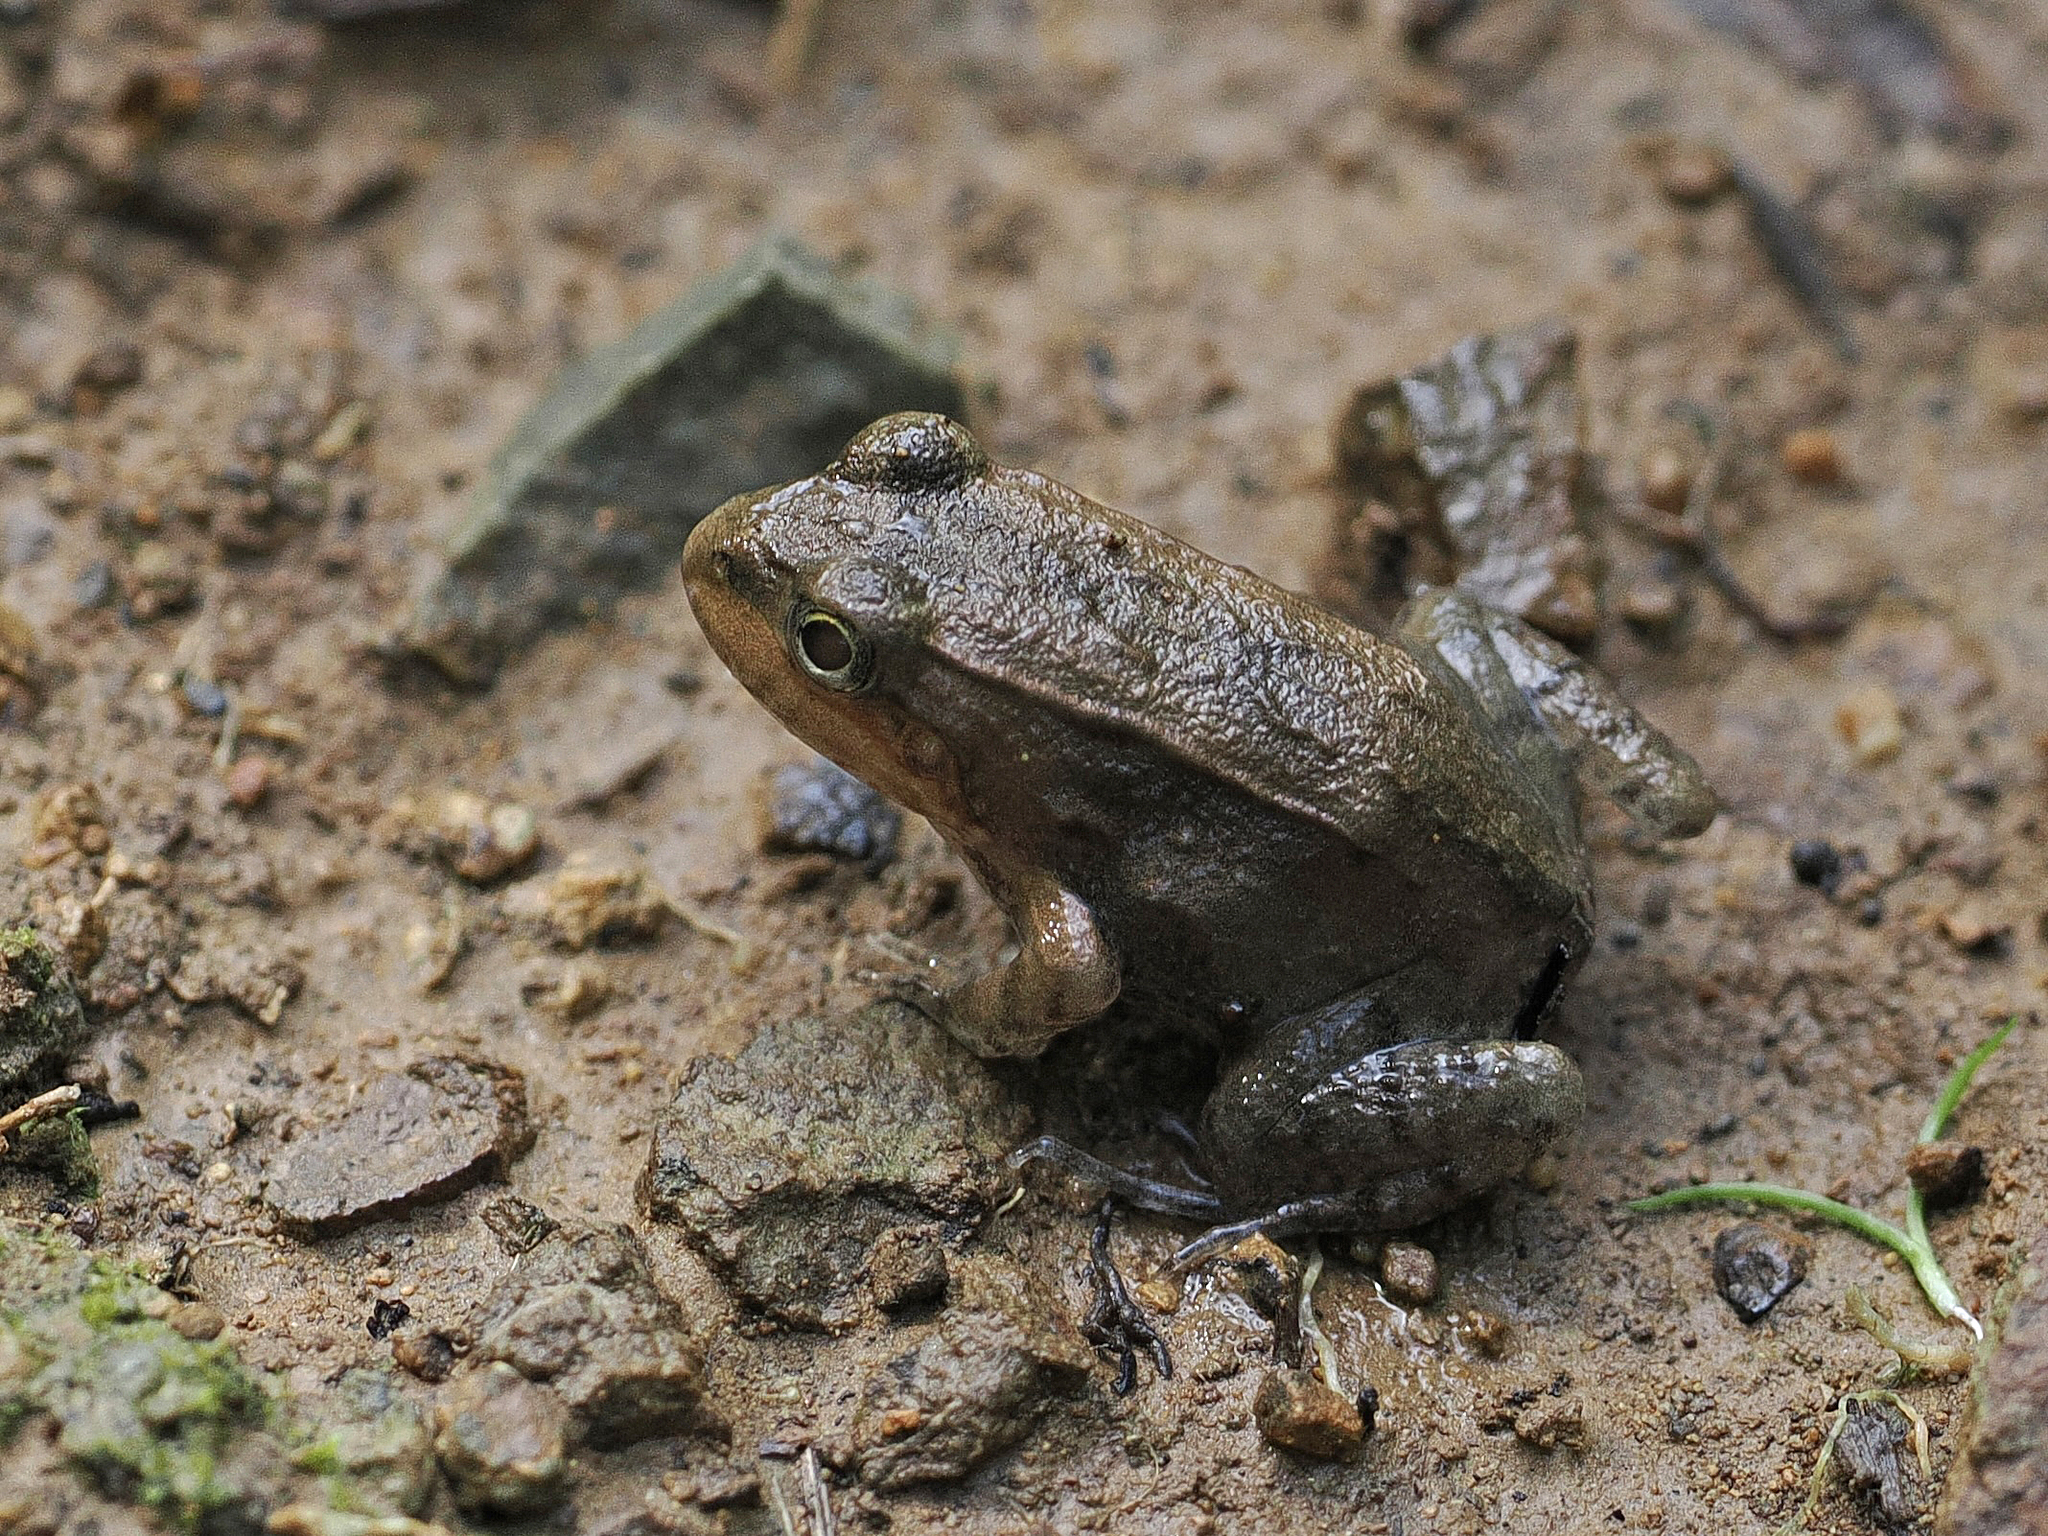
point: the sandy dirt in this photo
(1175, 238)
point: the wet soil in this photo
(1176, 238)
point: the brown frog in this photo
(1204, 802)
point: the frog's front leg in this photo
(1063, 973)
(1520, 675)
(1381, 1141)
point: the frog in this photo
(1352, 861)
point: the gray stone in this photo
(818, 807)
(414, 1136)
(1002, 1351)
(1472, 470)
(759, 374)
(376, 1439)
(787, 1164)
(40, 1018)
(1757, 1265)
(581, 1312)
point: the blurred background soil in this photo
(273, 291)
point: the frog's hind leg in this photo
(1383, 1140)
(1522, 678)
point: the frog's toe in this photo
(1146, 1194)
(1115, 1323)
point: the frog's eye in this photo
(830, 650)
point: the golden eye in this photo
(829, 650)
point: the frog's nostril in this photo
(912, 451)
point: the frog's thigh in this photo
(1404, 1133)
(1064, 973)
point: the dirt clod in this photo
(585, 903)
(788, 1163)
(1875, 1455)
(983, 1374)
(1297, 1411)
(581, 1312)
(41, 1021)
(502, 1441)
(1946, 1172)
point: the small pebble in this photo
(196, 1320)
(1693, 174)
(205, 698)
(1868, 719)
(1974, 931)
(1409, 1273)
(1818, 863)
(1298, 1412)
(249, 779)
(1757, 1265)
(1811, 454)
(1946, 1172)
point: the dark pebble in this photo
(1818, 863)
(1756, 1266)
(205, 698)
(386, 1316)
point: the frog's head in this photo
(818, 596)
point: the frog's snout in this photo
(912, 451)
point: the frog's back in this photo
(1106, 618)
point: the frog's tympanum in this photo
(1206, 803)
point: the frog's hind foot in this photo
(1146, 1194)
(1115, 1323)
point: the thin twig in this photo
(41, 1107)
(1691, 533)
(817, 1498)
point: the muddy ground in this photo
(1174, 238)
